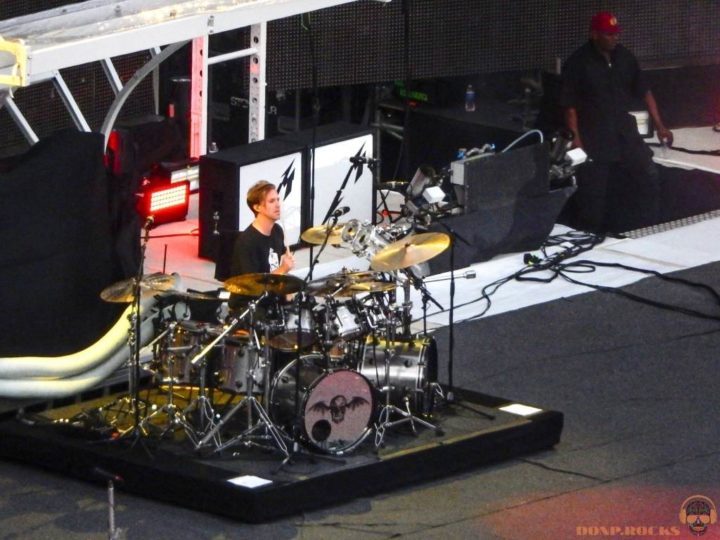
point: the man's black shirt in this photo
(603, 93)
(254, 253)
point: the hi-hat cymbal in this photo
(316, 235)
(367, 286)
(335, 282)
(257, 284)
(412, 249)
(123, 292)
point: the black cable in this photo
(687, 150)
(642, 299)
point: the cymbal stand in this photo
(202, 404)
(175, 417)
(406, 416)
(248, 437)
(135, 404)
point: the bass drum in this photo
(413, 371)
(337, 408)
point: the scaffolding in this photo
(35, 48)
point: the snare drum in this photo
(298, 321)
(412, 374)
(337, 408)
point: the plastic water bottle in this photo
(469, 98)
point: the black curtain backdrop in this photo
(57, 232)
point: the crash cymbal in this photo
(367, 286)
(412, 249)
(316, 235)
(123, 292)
(257, 284)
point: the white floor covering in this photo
(669, 251)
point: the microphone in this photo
(148, 223)
(341, 211)
(360, 160)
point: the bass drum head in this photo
(337, 408)
(413, 370)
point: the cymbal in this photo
(317, 234)
(123, 292)
(367, 286)
(412, 249)
(258, 283)
(339, 280)
(190, 295)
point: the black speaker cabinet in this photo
(225, 177)
(496, 179)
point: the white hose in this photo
(61, 367)
(49, 389)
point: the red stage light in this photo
(164, 201)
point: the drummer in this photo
(261, 246)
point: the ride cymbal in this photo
(316, 235)
(123, 292)
(259, 283)
(413, 249)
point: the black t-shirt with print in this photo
(255, 252)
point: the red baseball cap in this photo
(605, 22)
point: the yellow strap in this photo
(19, 70)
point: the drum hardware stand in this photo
(135, 404)
(314, 260)
(419, 284)
(450, 396)
(250, 402)
(384, 422)
(175, 417)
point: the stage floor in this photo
(248, 478)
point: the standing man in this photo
(602, 83)
(261, 246)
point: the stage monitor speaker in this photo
(343, 177)
(496, 179)
(225, 178)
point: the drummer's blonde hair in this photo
(257, 193)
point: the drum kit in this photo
(323, 365)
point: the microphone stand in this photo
(450, 396)
(315, 260)
(419, 284)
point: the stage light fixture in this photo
(165, 201)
